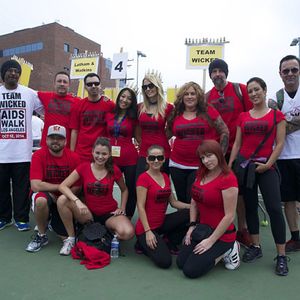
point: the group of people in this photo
(90, 144)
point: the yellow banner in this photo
(81, 92)
(83, 65)
(26, 70)
(171, 94)
(199, 57)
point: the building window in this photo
(23, 49)
(76, 51)
(66, 47)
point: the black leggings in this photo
(129, 174)
(141, 166)
(174, 229)
(195, 265)
(269, 184)
(183, 180)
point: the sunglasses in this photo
(221, 99)
(154, 157)
(148, 86)
(287, 71)
(90, 84)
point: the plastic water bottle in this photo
(114, 250)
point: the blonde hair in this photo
(161, 102)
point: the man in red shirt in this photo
(230, 99)
(58, 105)
(49, 167)
(88, 118)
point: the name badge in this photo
(115, 151)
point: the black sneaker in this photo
(281, 265)
(252, 254)
(37, 243)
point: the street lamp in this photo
(295, 42)
(138, 54)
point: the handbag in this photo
(201, 232)
(96, 235)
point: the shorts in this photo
(103, 218)
(54, 217)
(290, 179)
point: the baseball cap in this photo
(57, 129)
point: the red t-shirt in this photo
(57, 111)
(209, 201)
(46, 167)
(98, 194)
(89, 119)
(156, 202)
(189, 134)
(153, 132)
(254, 131)
(230, 107)
(123, 139)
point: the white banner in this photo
(119, 66)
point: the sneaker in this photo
(292, 246)
(22, 226)
(281, 265)
(244, 238)
(232, 258)
(4, 224)
(252, 254)
(67, 246)
(37, 243)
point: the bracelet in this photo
(193, 224)
(77, 199)
(147, 230)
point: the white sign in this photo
(119, 66)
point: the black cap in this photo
(218, 64)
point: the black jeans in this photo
(18, 174)
(269, 184)
(174, 229)
(183, 180)
(129, 174)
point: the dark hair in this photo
(211, 146)
(132, 110)
(104, 141)
(62, 73)
(260, 81)
(154, 147)
(289, 57)
(179, 106)
(91, 75)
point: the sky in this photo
(259, 32)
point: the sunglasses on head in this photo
(287, 71)
(90, 84)
(154, 157)
(148, 86)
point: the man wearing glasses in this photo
(88, 118)
(288, 101)
(230, 99)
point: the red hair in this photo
(211, 146)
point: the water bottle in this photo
(114, 250)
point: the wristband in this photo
(147, 230)
(192, 224)
(77, 199)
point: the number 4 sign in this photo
(119, 66)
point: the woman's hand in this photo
(203, 246)
(151, 240)
(187, 238)
(83, 210)
(261, 167)
(118, 212)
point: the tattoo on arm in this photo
(272, 104)
(223, 131)
(292, 126)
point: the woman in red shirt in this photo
(98, 180)
(214, 199)
(191, 122)
(152, 116)
(121, 126)
(153, 196)
(253, 127)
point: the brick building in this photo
(48, 48)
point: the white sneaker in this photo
(67, 246)
(232, 258)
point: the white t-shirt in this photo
(37, 128)
(291, 110)
(16, 108)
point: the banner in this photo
(199, 57)
(119, 66)
(26, 70)
(82, 65)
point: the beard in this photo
(219, 82)
(56, 148)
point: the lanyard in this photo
(117, 126)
